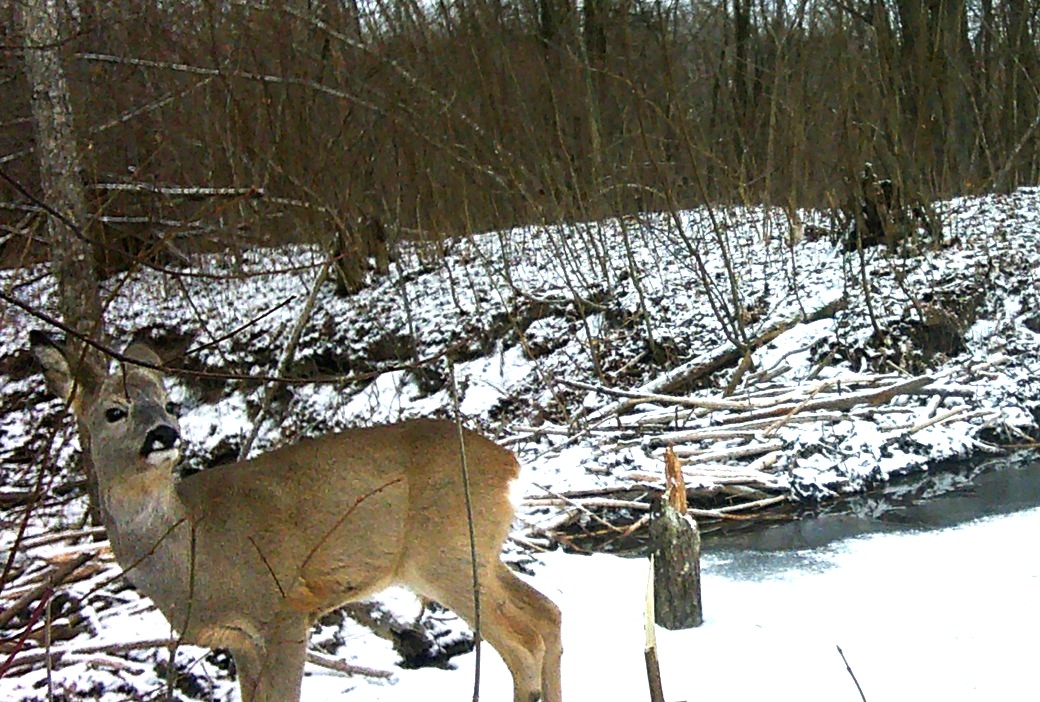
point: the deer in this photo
(246, 556)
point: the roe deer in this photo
(246, 556)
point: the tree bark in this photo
(72, 257)
(675, 542)
(936, 61)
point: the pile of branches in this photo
(740, 454)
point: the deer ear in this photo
(141, 351)
(61, 380)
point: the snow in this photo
(493, 379)
(208, 425)
(793, 347)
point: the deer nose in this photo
(160, 438)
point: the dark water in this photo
(943, 498)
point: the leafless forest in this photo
(214, 124)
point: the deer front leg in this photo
(274, 672)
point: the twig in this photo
(715, 358)
(572, 503)
(38, 540)
(702, 435)
(639, 397)
(589, 502)
(41, 608)
(288, 354)
(270, 570)
(345, 516)
(772, 428)
(55, 655)
(937, 419)
(853, 675)
(339, 666)
(120, 119)
(653, 666)
(744, 506)
(43, 589)
(464, 467)
(211, 375)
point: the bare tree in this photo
(72, 255)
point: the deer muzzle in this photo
(161, 444)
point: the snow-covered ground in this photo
(522, 314)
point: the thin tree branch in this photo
(853, 675)
(464, 467)
(288, 354)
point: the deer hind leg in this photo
(274, 674)
(544, 616)
(503, 622)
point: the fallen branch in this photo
(841, 402)
(56, 655)
(937, 419)
(692, 456)
(38, 540)
(44, 589)
(739, 428)
(60, 655)
(636, 397)
(589, 502)
(731, 512)
(326, 661)
(576, 505)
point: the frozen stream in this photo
(934, 501)
(940, 604)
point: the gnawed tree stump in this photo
(675, 543)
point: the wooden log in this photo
(675, 544)
(55, 656)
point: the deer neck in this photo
(142, 513)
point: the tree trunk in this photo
(73, 259)
(72, 252)
(1020, 104)
(936, 61)
(554, 24)
(675, 543)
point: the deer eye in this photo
(173, 409)
(115, 414)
